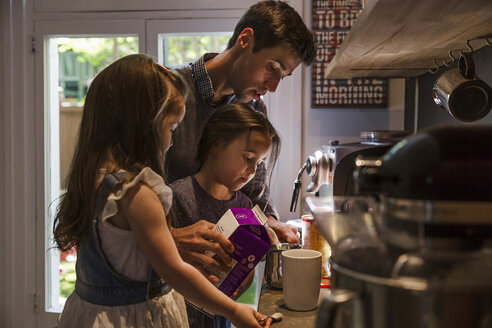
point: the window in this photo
(178, 49)
(68, 56)
(57, 64)
(284, 106)
(74, 62)
(79, 61)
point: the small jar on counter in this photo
(312, 239)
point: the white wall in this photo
(66, 6)
(344, 124)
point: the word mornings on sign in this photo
(354, 92)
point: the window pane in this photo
(72, 65)
(82, 58)
(181, 49)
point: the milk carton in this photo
(245, 229)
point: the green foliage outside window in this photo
(98, 52)
(183, 49)
(67, 278)
(81, 59)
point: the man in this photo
(269, 42)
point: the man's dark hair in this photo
(273, 23)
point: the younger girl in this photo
(236, 138)
(115, 207)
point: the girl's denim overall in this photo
(97, 282)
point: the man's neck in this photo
(218, 69)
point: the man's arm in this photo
(194, 240)
(194, 237)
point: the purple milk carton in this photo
(245, 229)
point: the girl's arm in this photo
(144, 212)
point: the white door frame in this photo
(17, 233)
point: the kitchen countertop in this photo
(272, 300)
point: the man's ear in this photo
(216, 148)
(246, 38)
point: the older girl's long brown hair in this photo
(120, 129)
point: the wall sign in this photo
(331, 22)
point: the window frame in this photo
(285, 106)
(155, 28)
(63, 6)
(44, 31)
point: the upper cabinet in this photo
(406, 38)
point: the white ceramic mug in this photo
(301, 278)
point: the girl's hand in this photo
(246, 316)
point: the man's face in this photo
(254, 74)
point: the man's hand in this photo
(285, 232)
(194, 240)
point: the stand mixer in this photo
(414, 248)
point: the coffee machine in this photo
(331, 167)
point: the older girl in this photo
(116, 204)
